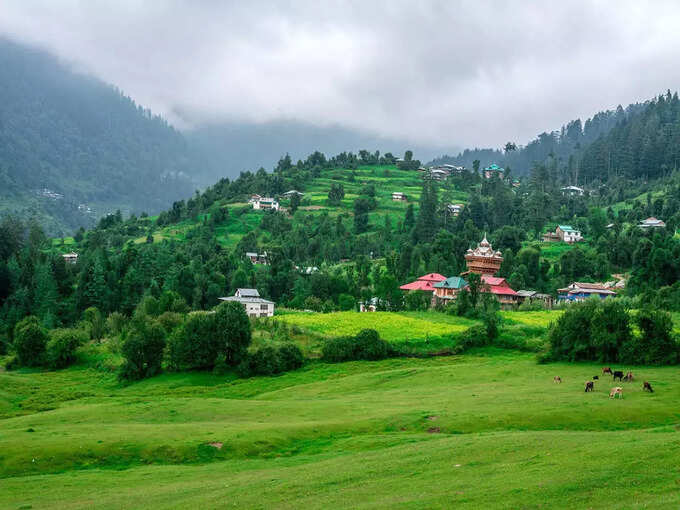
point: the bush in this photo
(474, 336)
(366, 345)
(116, 322)
(170, 321)
(346, 302)
(95, 323)
(142, 350)
(271, 361)
(30, 342)
(195, 344)
(204, 337)
(62, 346)
(656, 345)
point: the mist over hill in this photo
(227, 149)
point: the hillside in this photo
(73, 149)
(563, 148)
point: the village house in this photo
(369, 306)
(449, 289)
(565, 233)
(455, 209)
(398, 196)
(425, 283)
(651, 223)
(438, 175)
(579, 291)
(257, 258)
(572, 191)
(70, 258)
(492, 170)
(532, 296)
(254, 305)
(289, 194)
(501, 290)
(264, 203)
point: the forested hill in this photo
(73, 148)
(566, 146)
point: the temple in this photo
(483, 260)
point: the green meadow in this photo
(489, 429)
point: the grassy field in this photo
(486, 430)
(394, 327)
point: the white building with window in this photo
(255, 305)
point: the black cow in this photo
(596, 377)
(619, 374)
(590, 386)
(647, 387)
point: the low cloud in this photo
(437, 73)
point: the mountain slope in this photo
(67, 140)
(570, 140)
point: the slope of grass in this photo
(484, 430)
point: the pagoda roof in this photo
(453, 282)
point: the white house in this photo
(70, 258)
(399, 196)
(455, 209)
(255, 306)
(651, 223)
(289, 194)
(264, 203)
(572, 190)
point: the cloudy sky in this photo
(443, 73)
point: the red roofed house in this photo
(424, 283)
(499, 287)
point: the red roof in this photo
(425, 282)
(498, 285)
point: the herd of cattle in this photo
(617, 391)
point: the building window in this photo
(264, 307)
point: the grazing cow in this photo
(590, 386)
(616, 391)
(647, 387)
(629, 377)
(557, 379)
(619, 374)
(595, 377)
(606, 370)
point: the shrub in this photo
(570, 336)
(62, 346)
(474, 336)
(95, 322)
(170, 321)
(115, 323)
(142, 350)
(656, 345)
(271, 360)
(346, 302)
(291, 357)
(204, 337)
(366, 345)
(30, 341)
(195, 344)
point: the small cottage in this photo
(254, 305)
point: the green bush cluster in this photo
(271, 360)
(601, 331)
(366, 345)
(34, 346)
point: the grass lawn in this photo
(486, 430)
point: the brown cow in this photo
(647, 387)
(589, 386)
(628, 377)
(606, 370)
(557, 379)
(616, 391)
